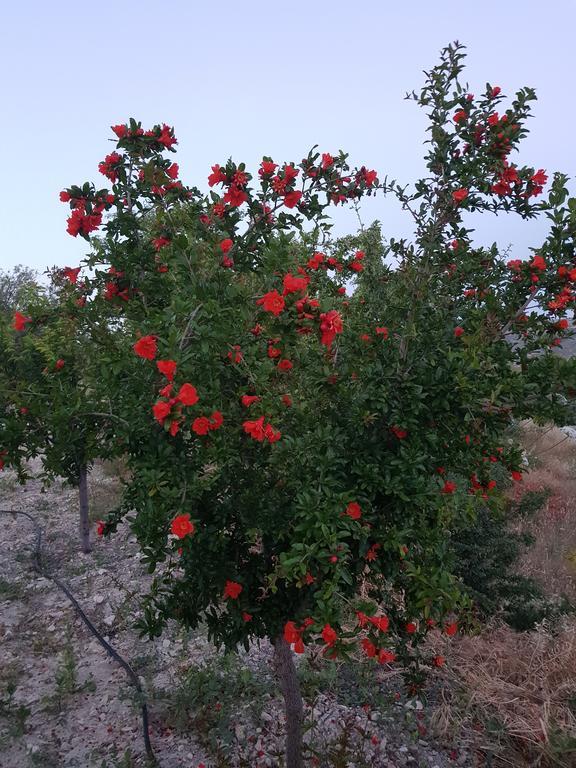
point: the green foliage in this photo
(15, 288)
(487, 557)
(14, 714)
(387, 425)
(213, 696)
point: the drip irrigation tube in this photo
(41, 569)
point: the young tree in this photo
(301, 418)
(48, 407)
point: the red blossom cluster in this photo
(87, 210)
(260, 431)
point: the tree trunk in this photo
(84, 520)
(290, 686)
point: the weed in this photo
(15, 714)
(9, 590)
(127, 760)
(211, 696)
(66, 677)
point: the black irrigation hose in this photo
(41, 569)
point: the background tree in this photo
(48, 405)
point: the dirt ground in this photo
(65, 702)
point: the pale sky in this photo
(258, 78)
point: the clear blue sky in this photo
(253, 78)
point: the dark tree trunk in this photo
(290, 686)
(84, 519)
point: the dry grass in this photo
(552, 559)
(513, 695)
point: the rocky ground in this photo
(65, 702)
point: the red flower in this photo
(181, 526)
(380, 622)
(235, 355)
(449, 487)
(201, 425)
(538, 263)
(247, 400)
(161, 410)
(539, 178)
(354, 510)
(460, 116)
(20, 321)
(120, 130)
(400, 433)
(459, 195)
(329, 635)
(226, 244)
(274, 352)
(327, 160)
(246, 617)
(146, 347)
(495, 91)
(100, 527)
(381, 330)
(65, 196)
(227, 261)
(255, 428)
(451, 629)
(167, 368)
(287, 400)
(217, 176)
(438, 661)
(410, 628)
(271, 434)
(291, 199)
(369, 648)
(80, 223)
(187, 395)
(291, 632)
(517, 476)
(386, 657)
(216, 420)
(258, 431)
(272, 302)
(108, 166)
(267, 167)
(172, 171)
(232, 590)
(330, 325)
(315, 261)
(285, 365)
(458, 331)
(167, 137)
(174, 427)
(235, 196)
(371, 555)
(160, 242)
(290, 173)
(71, 274)
(294, 284)
(59, 364)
